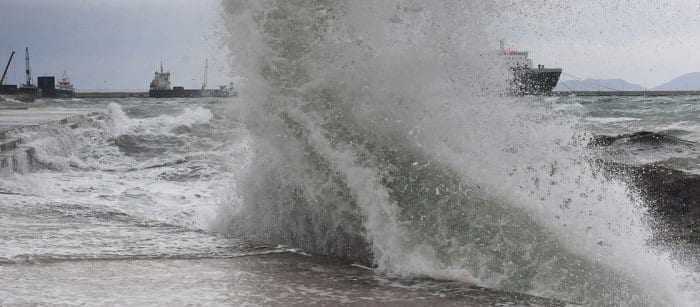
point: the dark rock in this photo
(637, 138)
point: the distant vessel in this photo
(160, 87)
(65, 87)
(526, 80)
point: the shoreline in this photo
(284, 279)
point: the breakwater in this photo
(111, 94)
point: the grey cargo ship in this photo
(160, 87)
(524, 78)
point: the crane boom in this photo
(4, 73)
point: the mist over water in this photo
(379, 134)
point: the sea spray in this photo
(379, 134)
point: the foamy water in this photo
(140, 220)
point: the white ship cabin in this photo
(161, 80)
(65, 84)
(515, 58)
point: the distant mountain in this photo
(687, 82)
(597, 85)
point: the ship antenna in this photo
(28, 70)
(206, 68)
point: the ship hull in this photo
(184, 93)
(65, 93)
(57, 93)
(174, 93)
(538, 81)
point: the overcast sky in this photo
(116, 44)
(642, 41)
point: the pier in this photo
(110, 94)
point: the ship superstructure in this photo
(65, 87)
(161, 80)
(526, 80)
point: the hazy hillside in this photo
(597, 85)
(687, 82)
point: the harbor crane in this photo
(28, 70)
(4, 73)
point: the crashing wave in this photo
(378, 134)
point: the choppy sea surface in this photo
(123, 206)
(676, 117)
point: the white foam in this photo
(121, 124)
(608, 120)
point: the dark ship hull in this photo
(173, 93)
(539, 81)
(525, 80)
(185, 93)
(61, 93)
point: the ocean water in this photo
(123, 205)
(675, 117)
(135, 202)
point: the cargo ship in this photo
(50, 89)
(161, 87)
(526, 80)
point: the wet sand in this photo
(263, 280)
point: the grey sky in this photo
(114, 44)
(117, 43)
(643, 41)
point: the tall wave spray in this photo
(379, 135)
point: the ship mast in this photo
(4, 73)
(28, 70)
(206, 68)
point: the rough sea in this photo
(124, 205)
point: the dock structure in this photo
(626, 93)
(111, 94)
